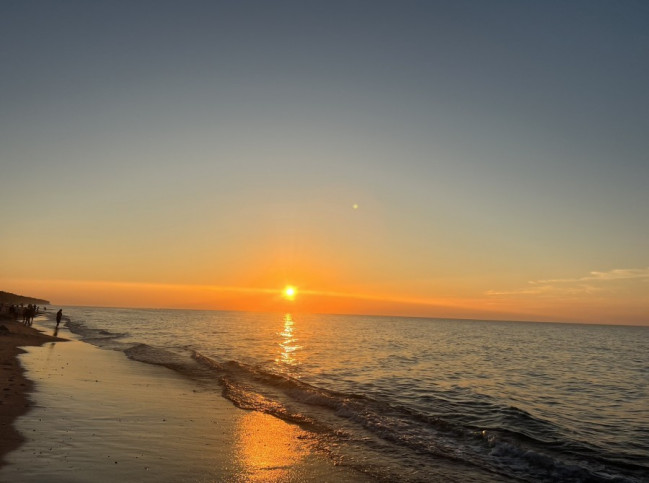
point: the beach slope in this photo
(13, 384)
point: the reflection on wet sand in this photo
(268, 449)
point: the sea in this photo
(415, 399)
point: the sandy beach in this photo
(15, 386)
(82, 414)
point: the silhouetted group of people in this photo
(27, 313)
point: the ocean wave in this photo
(518, 444)
(458, 427)
(98, 337)
(515, 445)
(520, 459)
(159, 356)
(323, 409)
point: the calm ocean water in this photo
(416, 399)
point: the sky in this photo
(456, 158)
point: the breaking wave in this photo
(488, 439)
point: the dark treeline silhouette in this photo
(13, 299)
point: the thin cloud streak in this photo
(584, 285)
(616, 274)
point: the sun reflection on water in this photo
(288, 344)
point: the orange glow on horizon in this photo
(352, 301)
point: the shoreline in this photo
(96, 415)
(15, 386)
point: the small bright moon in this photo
(289, 292)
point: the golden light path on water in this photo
(267, 448)
(288, 344)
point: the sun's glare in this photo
(289, 292)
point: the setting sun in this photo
(289, 292)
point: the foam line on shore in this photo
(98, 416)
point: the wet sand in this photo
(14, 386)
(98, 416)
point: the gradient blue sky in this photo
(498, 153)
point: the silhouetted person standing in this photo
(59, 314)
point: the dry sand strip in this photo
(14, 387)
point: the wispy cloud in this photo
(594, 282)
(616, 274)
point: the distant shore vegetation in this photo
(14, 299)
